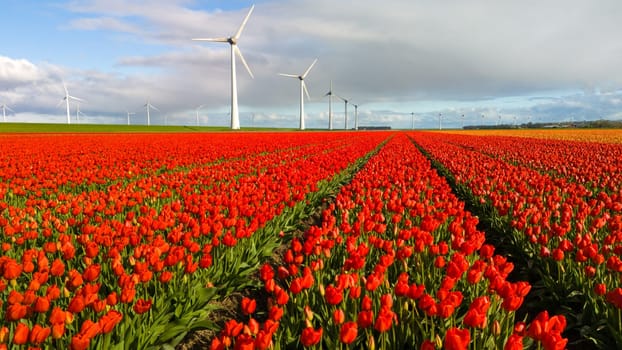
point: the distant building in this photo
(387, 127)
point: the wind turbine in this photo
(233, 42)
(4, 108)
(197, 109)
(412, 120)
(346, 112)
(440, 125)
(148, 105)
(356, 117)
(128, 116)
(330, 106)
(78, 112)
(303, 88)
(66, 99)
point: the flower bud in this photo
(496, 328)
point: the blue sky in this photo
(521, 61)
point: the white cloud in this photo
(15, 72)
(105, 23)
(399, 55)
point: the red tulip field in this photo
(319, 240)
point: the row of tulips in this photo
(34, 166)
(394, 262)
(594, 165)
(138, 263)
(571, 231)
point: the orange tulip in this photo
(20, 335)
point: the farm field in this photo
(571, 134)
(330, 240)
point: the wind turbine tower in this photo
(78, 112)
(330, 106)
(66, 99)
(148, 105)
(197, 110)
(412, 120)
(4, 108)
(303, 91)
(356, 116)
(345, 101)
(128, 116)
(233, 42)
(440, 125)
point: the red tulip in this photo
(248, 305)
(12, 269)
(333, 295)
(427, 345)
(515, 342)
(384, 320)
(365, 318)
(457, 339)
(20, 335)
(109, 321)
(41, 305)
(15, 312)
(142, 306)
(39, 334)
(79, 342)
(348, 332)
(339, 316)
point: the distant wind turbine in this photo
(233, 41)
(197, 109)
(330, 106)
(148, 105)
(66, 99)
(78, 112)
(4, 108)
(303, 88)
(346, 111)
(412, 120)
(356, 116)
(128, 116)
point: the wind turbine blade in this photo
(239, 53)
(288, 75)
(65, 87)
(217, 40)
(76, 98)
(239, 32)
(309, 69)
(9, 108)
(304, 87)
(59, 102)
(154, 107)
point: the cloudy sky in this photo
(508, 61)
